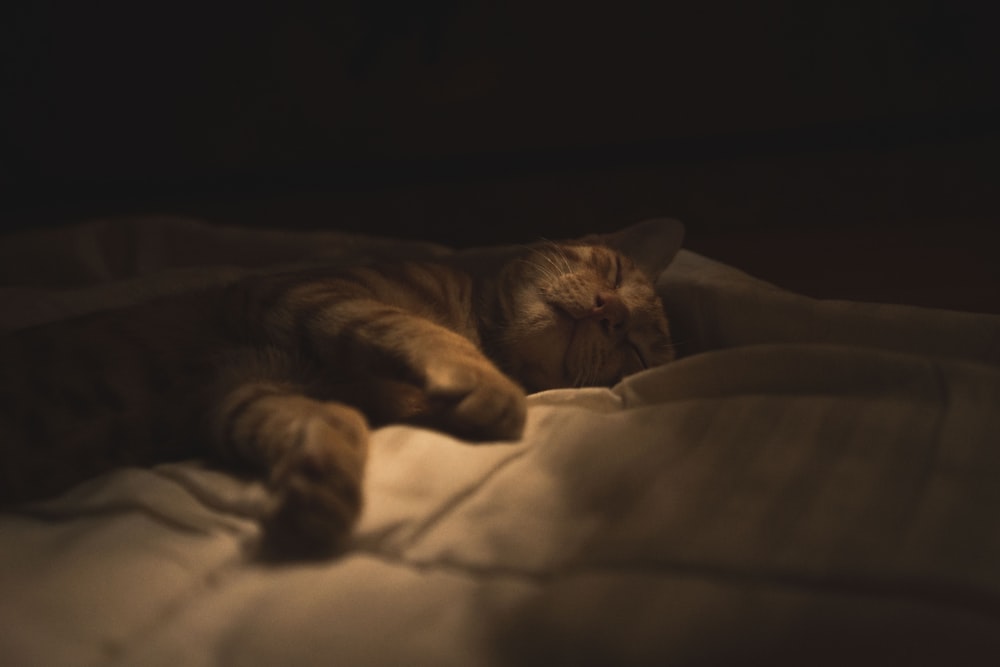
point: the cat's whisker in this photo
(550, 273)
(537, 267)
(546, 273)
(561, 254)
(551, 252)
(555, 267)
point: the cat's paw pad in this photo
(318, 490)
(473, 400)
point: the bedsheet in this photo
(814, 482)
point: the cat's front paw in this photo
(471, 399)
(318, 489)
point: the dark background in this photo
(842, 149)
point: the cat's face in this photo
(582, 315)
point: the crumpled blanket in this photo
(813, 483)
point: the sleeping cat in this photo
(282, 374)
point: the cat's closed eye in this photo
(616, 275)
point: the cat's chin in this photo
(589, 359)
(570, 330)
(632, 361)
(538, 354)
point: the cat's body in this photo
(283, 374)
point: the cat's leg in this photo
(467, 395)
(311, 452)
(464, 393)
(369, 326)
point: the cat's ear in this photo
(651, 244)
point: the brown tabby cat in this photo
(282, 374)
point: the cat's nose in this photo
(609, 310)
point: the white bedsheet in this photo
(817, 484)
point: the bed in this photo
(811, 483)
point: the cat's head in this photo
(585, 313)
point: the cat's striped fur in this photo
(284, 374)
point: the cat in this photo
(283, 374)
